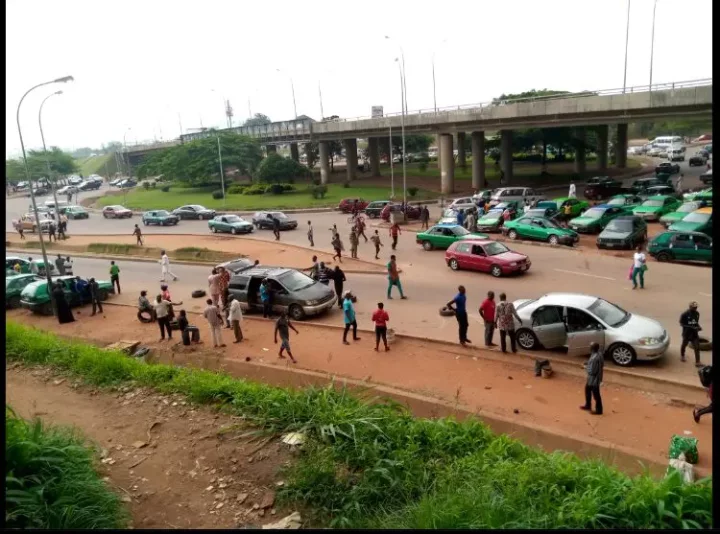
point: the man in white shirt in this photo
(235, 318)
(679, 184)
(526, 207)
(165, 266)
(571, 192)
(639, 268)
(215, 320)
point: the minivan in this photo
(519, 194)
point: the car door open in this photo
(549, 327)
(582, 331)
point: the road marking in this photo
(584, 274)
(706, 294)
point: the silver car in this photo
(574, 320)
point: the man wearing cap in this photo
(690, 323)
(349, 315)
(594, 368)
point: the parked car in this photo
(159, 217)
(413, 212)
(346, 204)
(443, 235)
(706, 177)
(39, 191)
(521, 194)
(294, 292)
(126, 184)
(626, 232)
(67, 190)
(548, 213)
(698, 160)
(75, 180)
(263, 220)
(704, 195)
(656, 206)
(75, 212)
(656, 190)
(116, 212)
(36, 298)
(28, 223)
(640, 185)
(574, 321)
(115, 181)
(230, 223)
(14, 286)
(90, 185)
(698, 221)
(539, 229)
(194, 211)
(514, 207)
(475, 254)
(238, 265)
(462, 203)
(593, 220)
(492, 221)
(667, 168)
(50, 205)
(576, 206)
(681, 246)
(449, 216)
(625, 201)
(484, 196)
(374, 209)
(10, 262)
(678, 215)
(602, 187)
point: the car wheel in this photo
(622, 354)
(103, 295)
(233, 231)
(214, 230)
(454, 265)
(46, 309)
(105, 215)
(553, 240)
(145, 222)
(296, 312)
(512, 234)
(664, 256)
(427, 245)
(14, 302)
(496, 271)
(526, 339)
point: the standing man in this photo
(459, 301)
(235, 318)
(698, 412)
(165, 266)
(276, 228)
(51, 232)
(394, 278)
(679, 184)
(594, 368)
(283, 326)
(115, 276)
(375, 238)
(213, 287)
(487, 312)
(690, 323)
(224, 286)
(424, 217)
(215, 320)
(394, 233)
(571, 191)
(526, 207)
(337, 246)
(360, 228)
(265, 298)
(470, 221)
(62, 222)
(349, 316)
(162, 313)
(60, 265)
(461, 217)
(310, 234)
(21, 231)
(138, 236)
(339, 280)
(380, 317)
(504, 320)
(639, 268)
(315, 269)
(95, 297)
(354, 242)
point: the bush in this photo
(255, 189)
(165, 188)
(412, 191)
(277, 169)
(346, 185)
(236, 189)
(423, 166)
(217, 195)
(318, 191)
(146, 185)
(275, 189)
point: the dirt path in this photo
(636, 420)
(186, 472)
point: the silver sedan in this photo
(575, 321)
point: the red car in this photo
(346, 204)
(486, 256)
(116, 212)
(413, 212)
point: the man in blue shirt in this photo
(349, 316)
(461, 217)
(459, 303)
(265, 298)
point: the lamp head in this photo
(64, 79)
(58, 93)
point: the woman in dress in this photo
(64, 313)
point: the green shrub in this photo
(319, 191)
(165, 188)
(255, 189)
(236, 189)
(423, 166)
(146, 185)
(153, 185)
(278, 189)
(217, 195)
(346, 185)
(278, 169)
(412, 191)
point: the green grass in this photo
(141, 199)
(370, 463)
(51, 482)
(96, 164)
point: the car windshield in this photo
(449, 213)
(460, 231)
(619, 225)
(234, 219)
(551, 224)
(492, 216)
(278, 215)
(616, 202)
(594, 213)
(687, 208)
(493, 249)
(295, 281)
(697, 218)
(609, 313)
(197, 207)
(161, 213)
(653, 203)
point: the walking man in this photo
(62, 222)
(679, 184)
(394, 233)
(21, 231)
(265, 298)
(394, 278)
(283, 326)
(690, 323)
(235, 317)
(571, 191)
(354, 242)
(276, 228)
(165, 266)
(315, 269)
(214, 287)
(310, 234)
(504, 320)
(60, 265)
(375, 238)
(215, 320)
(639, 268)
(698, 412)
(594, 368)
(138, 236)
(337, 246)
(349, 316)
(51, 232)
(162, 313)
(424, 217)
(339, 280)
(487, 312)
(380, 317)
(360, 228)
(95, 297)
(459, 302)
(115, 276)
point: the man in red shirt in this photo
(394, 232)
(487, 312)
(380, 317)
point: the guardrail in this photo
(602, 92)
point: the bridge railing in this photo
(602, 92)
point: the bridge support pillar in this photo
(478, 160)
(374, 153)
(621, 146)
(462, 160)
(580, 136)
(270, 149)
(602, 148)
(307, 148)
(437, 144)
(324, 150)
(294, 152)
(447, 171)
(351, 161)
(506, 163)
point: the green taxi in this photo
(230, 223)
(626, 202)
(595, 219)
(704, 195)
(76, 212)
(682, 246)
(443, 235)
(576, 206)
(539, 229)
(14, 286)
(36, 298)
(11, 261)
(697, 221)
(159, 217)
(656, 206)
(680, 213)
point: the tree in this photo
(312, 153)
(258, 120)
(277, 169)
(61, 164)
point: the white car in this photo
(462, 203)
(68, 189)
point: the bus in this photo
(667, 140)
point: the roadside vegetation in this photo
(370, 463)
(51, 481)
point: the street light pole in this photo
(652, 43)
(126, 159)
(392, 174)
(402, 126)
(322, 113)
(433, 73)
(292, 87)
(64, 79)
(222, 176)
(47, 158)
(627, 37)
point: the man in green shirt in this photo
(394, 277)
(115, 276)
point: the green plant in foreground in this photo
(50, 481)
(372, 464)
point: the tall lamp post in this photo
(47, 158)
(627, 37)
(292, 87)
(652, 43)
(64, 79)
(126, 158)
(226, 105)
(222, 176)
(402, 127)
(433, 73)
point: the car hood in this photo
(674, 216)
(647, 209)
(475, 235)
(240, 224)
(447, 220)
(608, 234)
(682, 226)
(491, 221)
(639, 326)
(509, 257)
(317, 291)
(584, 221)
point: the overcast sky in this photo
(152, 65)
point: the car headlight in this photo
(649, 341)
(513, 264)
(313, 302)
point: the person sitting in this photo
(187, 331)
(145, 308)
